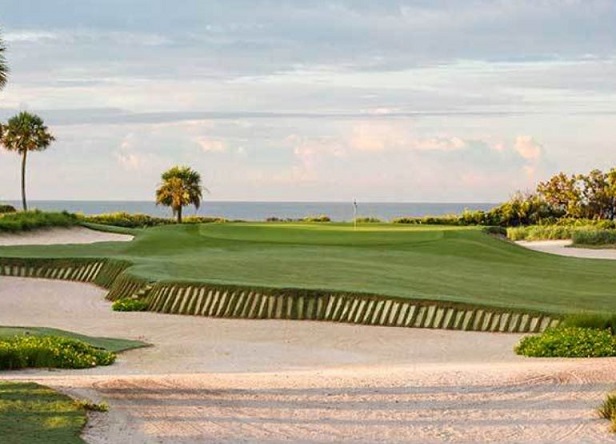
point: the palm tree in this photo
(180, 187)
(23, 133)
(4, 69)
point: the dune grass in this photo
(32, 220)
(34, 414)
(437, 263)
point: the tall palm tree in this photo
(180, 187)
(4, 68)
(23, 133)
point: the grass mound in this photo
(568, 342)
(34, 414)
(31, 220)
(114, 345)
(20, 352)
(415, 262)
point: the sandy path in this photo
(562, 248)
(74, 235)
(217, 380)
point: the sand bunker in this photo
(563, 248)
(226, 381)
(223, 380)
(74, 235)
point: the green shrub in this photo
(540, 232)
(594, 237)
(128, 220)
(129, 304)
(7, 209)
(31, 220)
(368, 220)
(23, 351)
(203, 220)
(495, 230)
(568, 342)
(591, 320)
(607, 409)
(321, 218)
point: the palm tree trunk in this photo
(179, 213)
(23, 180)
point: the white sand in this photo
(227, 381)
(220, 380)
(563, 248)
(74, 235)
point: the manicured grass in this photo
(419, 262)
(110, 344)
(33, 414)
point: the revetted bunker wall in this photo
(262, 303)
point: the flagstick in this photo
(354, 215)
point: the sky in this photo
(302, 100)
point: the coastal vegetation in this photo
(35, 414)
(31, 220)
(4, 68)
(180, 187)
(23, 134)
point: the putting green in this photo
(442, 264)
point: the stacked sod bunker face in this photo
(261, 303)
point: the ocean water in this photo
(337, 211)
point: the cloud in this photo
(528, 148)
(26, 36)
(211, 145)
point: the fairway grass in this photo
(422, 263)
(34, 414)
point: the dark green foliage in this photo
(24, 351)
(34, 414)
(129, 220)
(31, 220)
(495, 230)
(594, 237)
(320, 218)
(596, 321)
(7, 209)
(368, 220)
(129, 304)
(568, 342)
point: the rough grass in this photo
(111, 344)
(34, 414)
(452, 264)
(594, 238)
